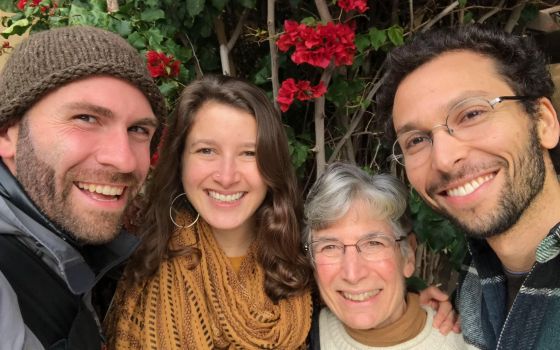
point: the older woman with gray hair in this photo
(356, 236)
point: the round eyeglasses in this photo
(373, 247)
(467, 120)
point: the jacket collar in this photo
(79, 266)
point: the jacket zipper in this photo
(512, 306)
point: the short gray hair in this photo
(341, 184)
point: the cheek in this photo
(325, 275)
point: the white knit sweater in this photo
(334, 337)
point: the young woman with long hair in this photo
(221, 263)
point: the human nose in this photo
(447, 150)
(116, 150)
(227, 172)
(354, 266)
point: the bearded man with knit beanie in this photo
(78, 112)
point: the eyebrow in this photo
(463, 96)
(367, 235)
(212, 142)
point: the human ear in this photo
(548, 127)
(409, 265)
(8, 143)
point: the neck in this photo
(406, 327)
(516, 247)
(236, 242)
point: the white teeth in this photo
(469, 187)
(102, 189)
(225, 197)
(361, 296)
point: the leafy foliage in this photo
(192, 31)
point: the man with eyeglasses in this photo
(472, 124)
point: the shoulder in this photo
(13, 332)
(433, 339)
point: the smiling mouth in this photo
(470, 186)
(102, 192)
(226, 198)
(360, 296)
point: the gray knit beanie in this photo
(52, 58)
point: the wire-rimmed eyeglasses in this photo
(467, 120)
(373, 247)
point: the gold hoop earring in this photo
(171, 214)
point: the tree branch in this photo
(323, 10)
(358, 118)
(112, 6)
(237, 31)
(442, 14)
(220, 30)
(187, 42)
(270, 20)
(319, 118)
(492, 12)
(514, 16)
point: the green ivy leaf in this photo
(468, 18)
(137, 40)
(195, 7)
(152, 14)
(462, 3)
(152, 3)
(219, 4)
(155, 38)
(8, 6)
(250, 4)
(168, 87)
(395, 34)
(309, 21)
(123, 28)
(377, 38)
(18, 28)
(362, 42)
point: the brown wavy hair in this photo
(279, 248)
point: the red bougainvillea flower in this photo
(349, 5)
(22, 3)
(301, 90)
(318, 45)
(162, 65)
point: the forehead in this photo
(360, 220)
(223, 119)
(426, 94)
(103, 94)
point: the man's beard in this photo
(516, 196)
(41, 183)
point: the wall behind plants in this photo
(321, 61)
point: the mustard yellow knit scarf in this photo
(209, 307)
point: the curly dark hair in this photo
(279, 251)
(518, 60)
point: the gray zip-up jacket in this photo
(20, 217)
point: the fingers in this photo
(444, 317)
(431, 294)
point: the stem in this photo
(515, 15)
(237, 30)
(112, 6)
(442, 14)
(187, 42)
(319, 117)
(220, 30)
(358, 118)
(273, 52)
(492, 12)
(323, 10)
